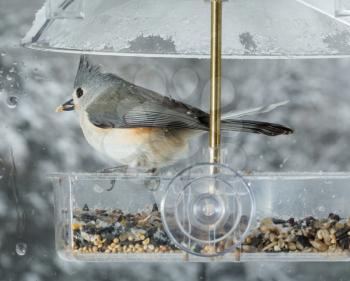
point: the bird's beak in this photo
(68, 106)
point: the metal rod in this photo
(215, 88)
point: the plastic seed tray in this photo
(295, 217)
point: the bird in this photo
(140, 128)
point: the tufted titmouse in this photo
(141, 128)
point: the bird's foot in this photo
(119, 169)
(112, 185)
(153, 183)
(152, 171)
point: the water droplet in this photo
(151, 78)
(227, 95)
(98, 188)
(2, 167)
(21, 248)
(3, 54)
(12, 70)
(284, 162)
(240, 160)
(152, 184)
(12, 102)
(8, 78)
(321, 208)
(185, 82)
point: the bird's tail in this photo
(265, 128)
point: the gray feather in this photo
(131, 107)
(91, 78)
(86, 72)
(254, 111)
(265, 128)
(128, 106)
(120, 104)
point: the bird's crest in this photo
(87, 71)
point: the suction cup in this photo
(207, 213)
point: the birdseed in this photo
(309, 235)
(112, 231)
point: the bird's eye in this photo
(80, 92)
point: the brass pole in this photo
(215, 89)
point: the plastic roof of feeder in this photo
(338, 8)
(168, 28)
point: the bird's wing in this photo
(130, 106)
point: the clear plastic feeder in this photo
(198, 215)
(58, 9)
(297, 217)
(207, 214)
(167, 28)
(335, 8)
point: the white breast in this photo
(140, 147)
(114, 143)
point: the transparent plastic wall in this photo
(318, 94)
(337, 8)
(65, 9)
(255, 28)
(297, 217)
